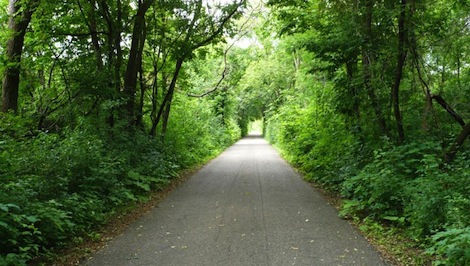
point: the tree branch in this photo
(450, 155)
(449, 109)
(78, 34)
(216, 32)
(224, 73)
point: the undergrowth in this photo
(57, 187)
(407, 188)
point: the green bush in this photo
(36, 211)
(195, 133)
(380, 188)
(58, 187)
(409, 185)
(452, 246)
(321, 149)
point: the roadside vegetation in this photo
(373, 105)
(97, 115)
(110, 101)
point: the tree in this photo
(20, 14)
(368, 54)
(201, 30)
(403, 32)
(134, 63)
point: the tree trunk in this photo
(138, 119)
(450, 155)
(140, 112)
(166, 118)
(20, 13)
(366, 64)
(94, 37)
(117, 45)
(351, 68)
(114, 51)
(90, 20)
(153, 113)
(169, 95)
(449, 109)
(401, 58)
(135, 59)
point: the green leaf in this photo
(394, 219)
(6, 207)
(32, 219)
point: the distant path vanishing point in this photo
(246, 207)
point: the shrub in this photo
(452, 246)
(383, 187)
(59, 187)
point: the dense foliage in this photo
(373, 104)
(112, 98)
(57, 188)
(98, 112)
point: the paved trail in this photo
(246, 207)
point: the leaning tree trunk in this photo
(20, 14)
(450, 155)
(166, 104)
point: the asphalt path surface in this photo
(246, 207)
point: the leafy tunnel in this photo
(105, 102)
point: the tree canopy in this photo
(106, 101)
